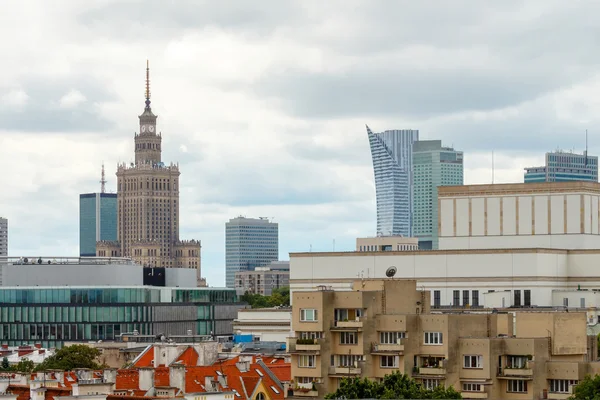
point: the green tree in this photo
(279, 297)
(71, 357)
(394, 386)
(587, 389)
(5, 364)
(25, 365)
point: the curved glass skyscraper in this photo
(392, 153)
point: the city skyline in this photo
(284, 134)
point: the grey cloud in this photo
(42, 113)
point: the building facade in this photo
(564, 166)
(434, 165)
(148, 205)
(264, 324)
(392, 153)
(261, 281)
(97, 221)
(387, 243)
(3, 237)
(385, 326)
(249, 243)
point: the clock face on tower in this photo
(151, 128)
(143, 128)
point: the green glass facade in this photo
(52, 315)
(433, 166)
(97, 221)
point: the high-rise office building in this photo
(433, 166)
(3, 237)
(97, 221)
(392, 153)
(148, 205)
(563, 166)
(249, 243)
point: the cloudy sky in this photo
(264, 104)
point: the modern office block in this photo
(392, 153)
(563, 166)
(3, 237)
(249, 243)
(434, 165)
(97, 221)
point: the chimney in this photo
(177, 376)
(38, 345)
(41, 351)
(243, 366)
(110, 375)
(4, 347)
(223, 381)
(146, 378)
(209, 384)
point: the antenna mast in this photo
(103, 181)
(586, 148)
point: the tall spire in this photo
(147, 84)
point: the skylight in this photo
(219, 373)
(258, 372)
(275, 389)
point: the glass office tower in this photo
(434, 166)
(97, 221)
(392, 153)
(249, 243)
(563, 166)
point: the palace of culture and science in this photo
(148, 206)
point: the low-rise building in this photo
(264, 324)
(387, 325)
(387, 243)
(261, 280)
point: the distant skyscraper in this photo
(249, 243)
(3, 237)
(562, 166)
(434, 166)
(97, 221)
(392, 153)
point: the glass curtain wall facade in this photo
(392, 153)
(97, 221)
(564, 167)
(434, 166)
(249, 243)
(52, 316)
(3, 237)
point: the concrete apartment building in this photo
(387, 325)
(261, 281)
(387, 243)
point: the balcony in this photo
(345, 371)
(431, 371)
(474, 395)
(305, 390)
(559, 396)
(296, 346)
(388, 348)
(354, 325)
(525, 372)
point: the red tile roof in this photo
(145, 359)
(127, 379)
(161, 376)
(189, 357)
(283, 372)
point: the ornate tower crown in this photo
(147, 142)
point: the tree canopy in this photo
(71, 357)
(394, 386)
(587, 389)
(279, 297)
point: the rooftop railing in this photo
(49, 260)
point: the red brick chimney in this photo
(38, 345)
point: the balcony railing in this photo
(345, 370)
(301, 345)
(524, 371)
(431, 371)
(353, 324)
(305, 390)
(388, 347)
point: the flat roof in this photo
(539, 250)
(519, 188)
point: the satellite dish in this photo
(390, 272)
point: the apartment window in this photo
(431, 384)
(473, 361)
(391, 337)
(456, 298)
(348, 338)
(561, 385)
(306, 361)
(565, 302)
(433, 338)
(518, 362)
(475, 295)
(388, 362)
(527, 297)
(348, 360)
(582, 302)
(437, 298)
(308, 315)
(465, 297)
(516, 386)
(310, 335)
(304, 379)
(517, 297)
(472, 387)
